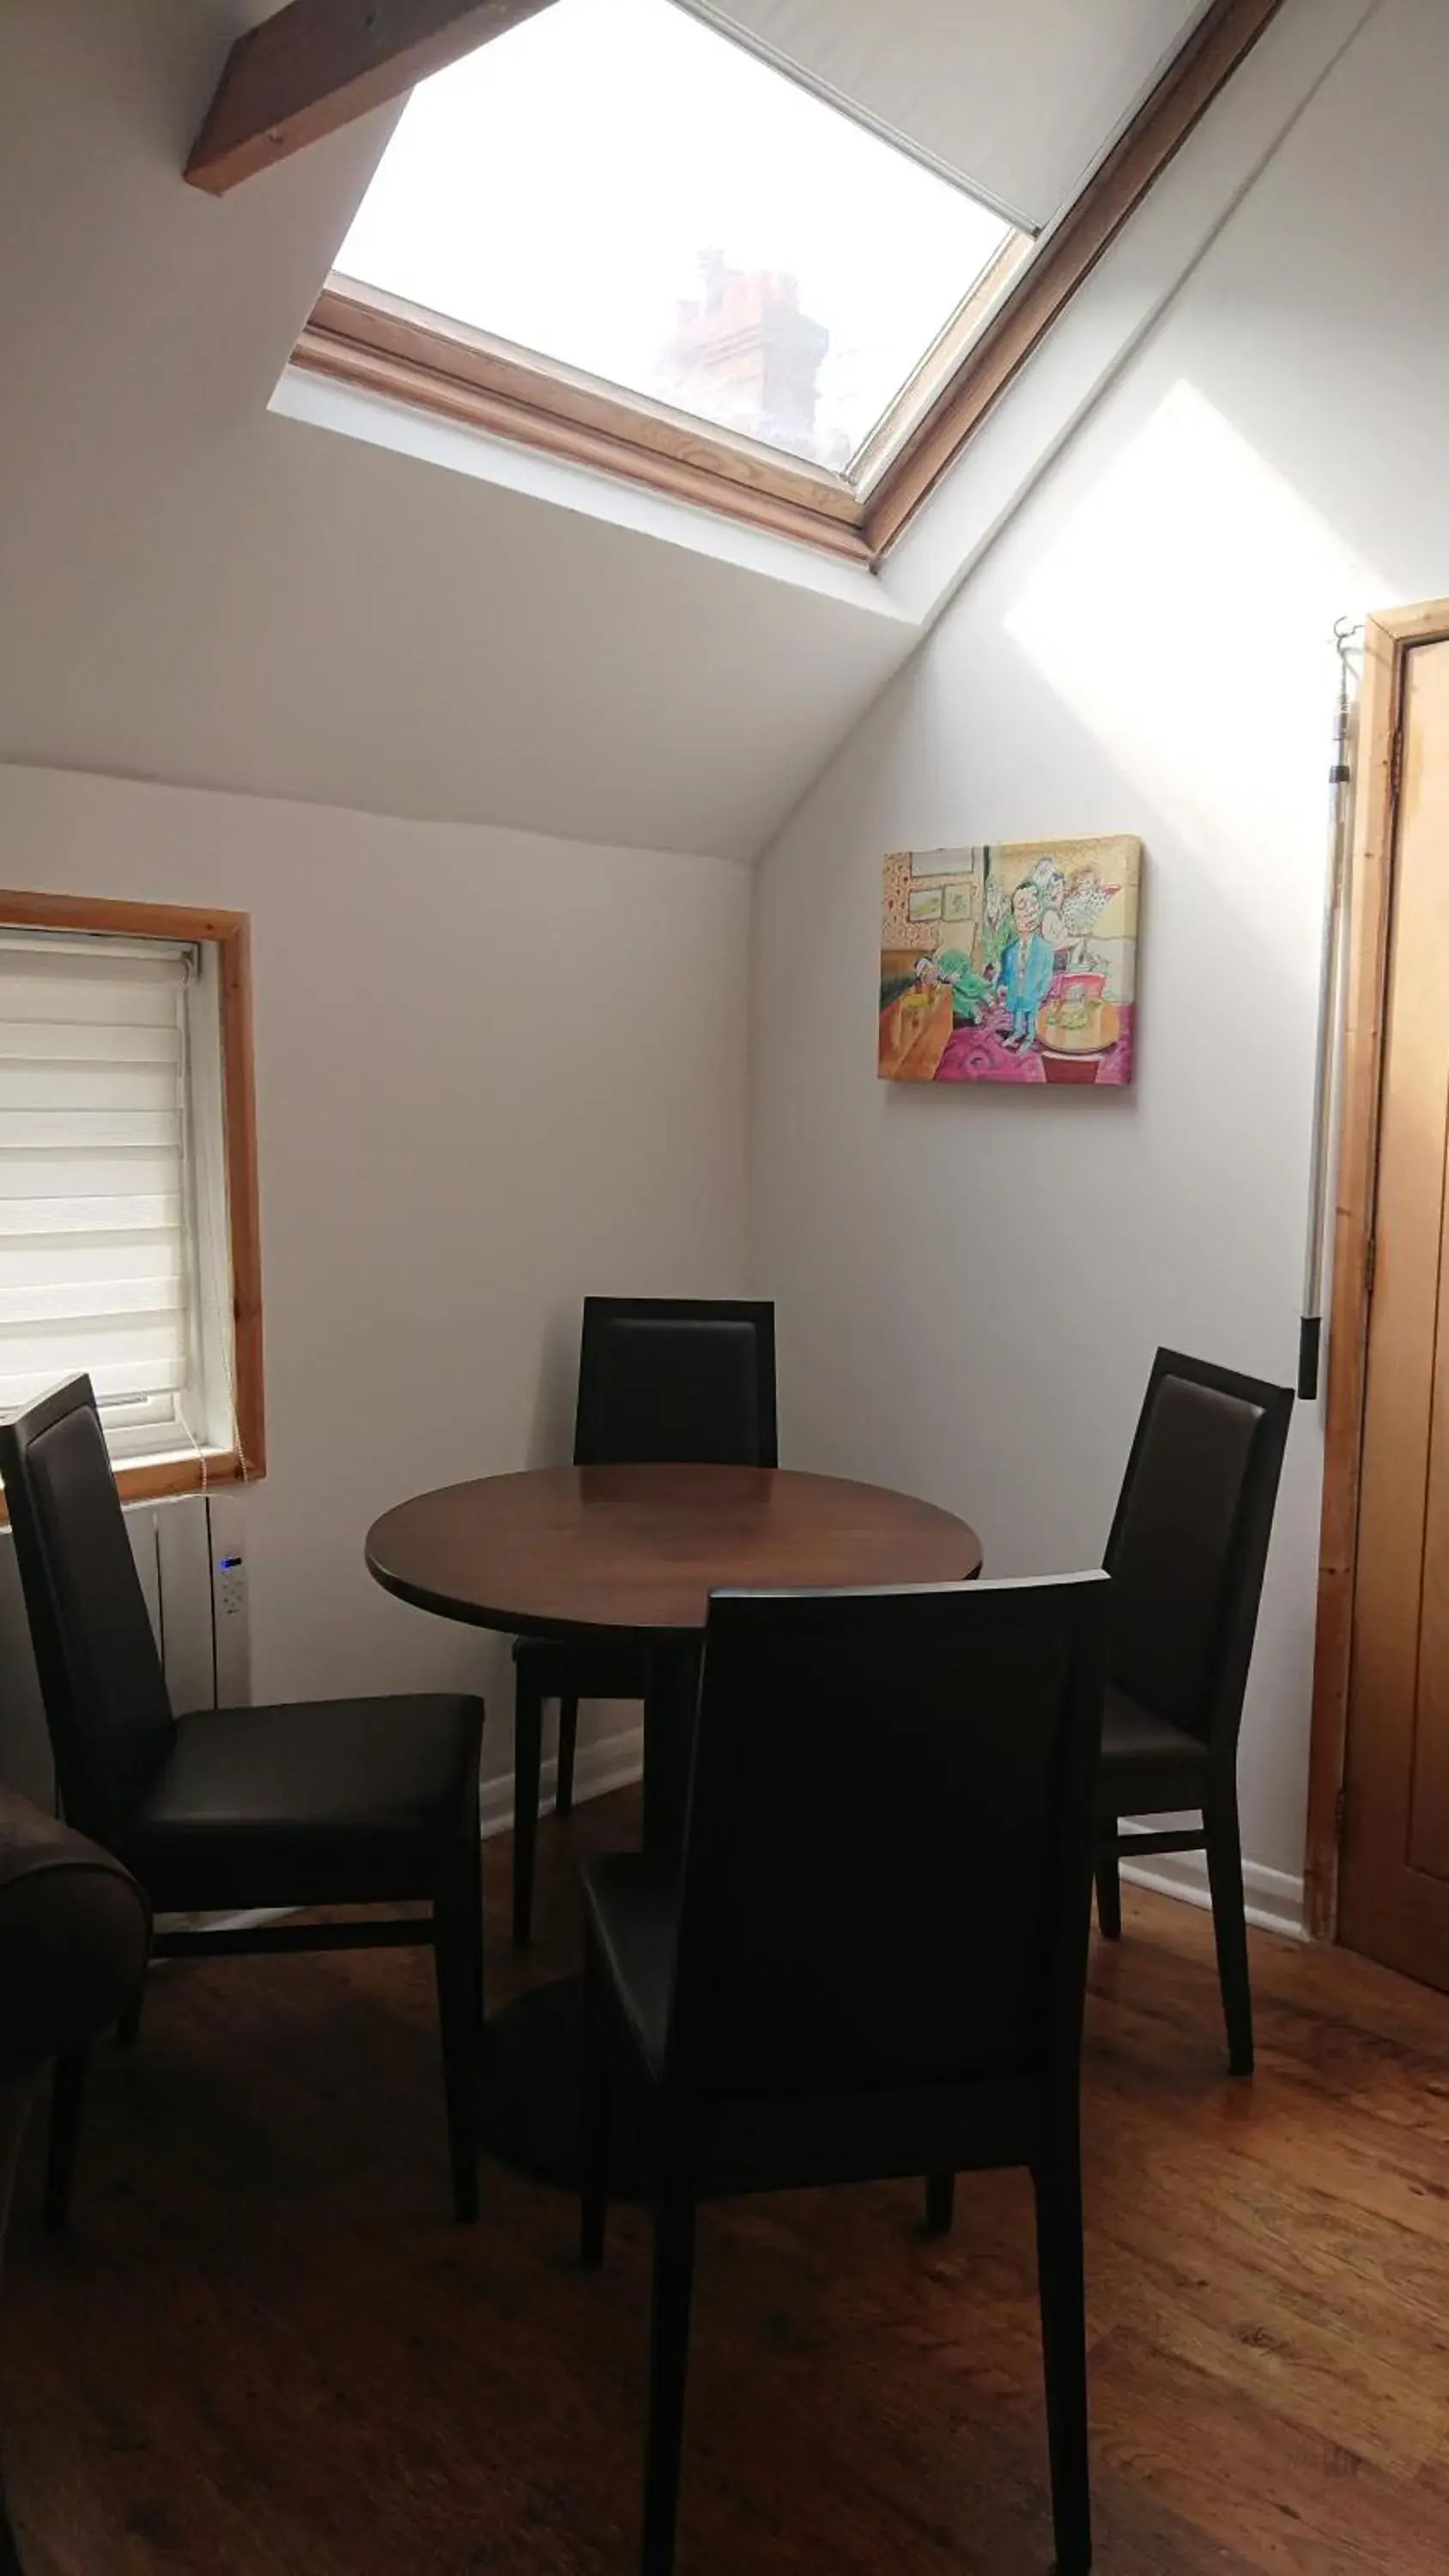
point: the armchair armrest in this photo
(74, 1932)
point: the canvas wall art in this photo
(1013, 961)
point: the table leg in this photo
(530, 2106)
(669, 1711)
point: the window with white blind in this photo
(116, 1232)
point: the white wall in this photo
(972, 1283)
(494, 1072)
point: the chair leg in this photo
(596, 2139)
(67, 2101)
(454, 1951)
(940, 2203)
(568, 1745)
(1109, 1889)
(9, 2554)
(1058, 2185)
(668, 2357)
(527, 1765)
(1230, 1927)
(475, 1933)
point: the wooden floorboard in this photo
(264, 2350)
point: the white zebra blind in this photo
(97, 1250)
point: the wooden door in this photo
(1394, 1882)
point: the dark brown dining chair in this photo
(871, 1959)
(1186, 1557)
(668, 1380)
(366, 1802)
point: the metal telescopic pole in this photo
(1310, 1330)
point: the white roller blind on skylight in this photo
(95, 1236)
(1019, 100)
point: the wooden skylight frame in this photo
(359, 336)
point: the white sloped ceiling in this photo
(194, 589)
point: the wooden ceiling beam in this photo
(318, 64)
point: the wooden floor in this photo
(265, 2351)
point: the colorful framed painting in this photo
(1014, 961)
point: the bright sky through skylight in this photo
(576, 183)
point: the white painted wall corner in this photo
(1274, 1899)
(610, 1762)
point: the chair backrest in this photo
(682, 1380)
(1190, 1540)
(106, 1704)
(888, 1857)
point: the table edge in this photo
(507, 1623)
(478, 1614)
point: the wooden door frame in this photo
(1389, 638)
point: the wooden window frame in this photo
(230, 934)
(360, 336)
(1066, 256)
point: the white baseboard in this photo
(1274, 1900)
(610, 1762)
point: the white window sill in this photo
(353, 412)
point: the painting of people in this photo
(1012, 961)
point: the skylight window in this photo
(617, 188)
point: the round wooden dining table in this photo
(629, 1556)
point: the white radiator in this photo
(191, 1558)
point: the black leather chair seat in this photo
(582, 1668)
(314, 1804)
(320, 1802)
